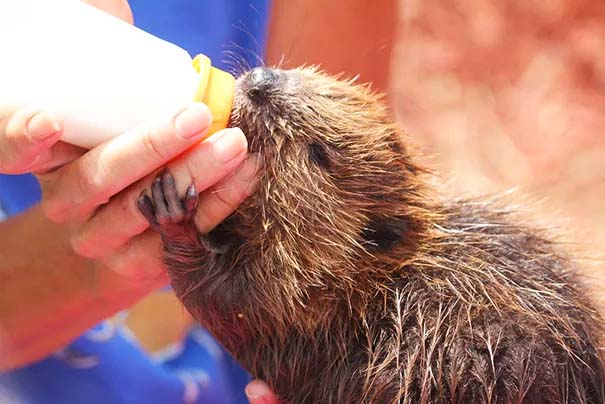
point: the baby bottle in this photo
(98, 74)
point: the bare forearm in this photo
(49, 295)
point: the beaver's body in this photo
(345, 279)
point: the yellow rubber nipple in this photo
(216, 90)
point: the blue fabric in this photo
(229, 32)
(106, 364)
(18, 193)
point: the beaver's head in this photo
(337, 210)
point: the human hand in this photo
(259, 393)
(95, 191)
(96, 194)
(29, 142)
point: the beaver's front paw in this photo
(166, 212)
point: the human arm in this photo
(50, 295)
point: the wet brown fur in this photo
(347, 278)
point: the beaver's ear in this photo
(383, 233)
(319, 155)
(324, 154)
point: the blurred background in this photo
(511, 93)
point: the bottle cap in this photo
(216, 90)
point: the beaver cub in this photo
(346, 279)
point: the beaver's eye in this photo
(383, 233)
(319, 155)
(330, 96)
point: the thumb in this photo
(26, 138)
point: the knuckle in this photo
(54, 211)
(125, 265)
(91, 188)
(116, 263)
(153, 146)
(90, 181)
(82, 246)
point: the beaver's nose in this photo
(261, 82)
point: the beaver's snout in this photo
(260, 83)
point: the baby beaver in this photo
(346, 279)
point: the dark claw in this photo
(191, 201)
(161, 211)
(165, 212)
(145, 206)
(174, 205)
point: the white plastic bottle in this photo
(99, 75)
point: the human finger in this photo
(205, 165)
(77, 189)
(259, 393)
(26, 137)
(223, 198)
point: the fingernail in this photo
(41, 127)
(193, 121)
(256, 391)
(230, 144)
